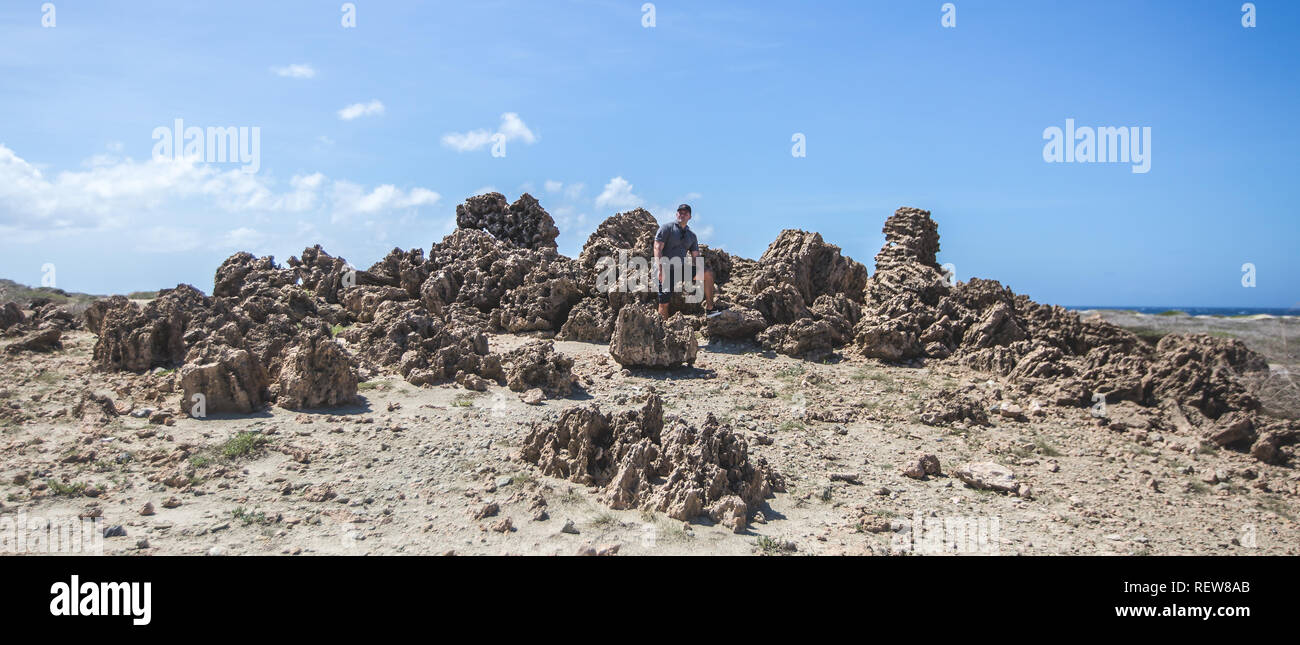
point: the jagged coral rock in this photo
(228, 378)
(637, 462)
(591, 321)
(642, 338)
(316, 372)
(524, 223)
(538, 365)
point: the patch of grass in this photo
(142, 295)
(199, 461)
(1143, 450)
(65, 490)
(372, 385)
(1172, 312)
(789, 425)
(604, 520)
(767, 546)
(242, 444)
(792, 372)
(249, 517)
(1200, 487)
(337, 329)
(1046, 448)
(462, 401)
(572, 497)
(48, 377)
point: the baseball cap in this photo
(684, 207)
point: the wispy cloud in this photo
(297, 70)
(512, 128)
(617, 195)
(127, 195)
(357, 110)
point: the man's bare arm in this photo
(659, 251)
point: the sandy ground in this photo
(408, 469)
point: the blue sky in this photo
(601, 114)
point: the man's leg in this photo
(665, 289)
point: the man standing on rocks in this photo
(676, 240)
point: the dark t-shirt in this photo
(678, 240)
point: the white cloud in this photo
(617, 195)
(704, 233)
(512, 128)
(351, 199)
(553, 186)
(243, 238)
(361, 109)
(295, 71)
(129, 195)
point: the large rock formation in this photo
(228, 379)
(681, 470)
(426, 317)
(524, 223)
(643, 339)
(316, 372)
(912, 311)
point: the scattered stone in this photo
(924, 466)
(988, 476)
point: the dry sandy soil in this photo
(409, 470)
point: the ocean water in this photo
(1205, 311)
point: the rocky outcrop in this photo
(642, 338)
(41, 340)
(636, 460)
(543, 301)
(538, 365)
(809, 265)
(589, 321)
(524, 223)
(947, 407)
(736, 322)
(135, 339)
(228, 378)
(11, 314)
(316, 372)
(421, 347)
